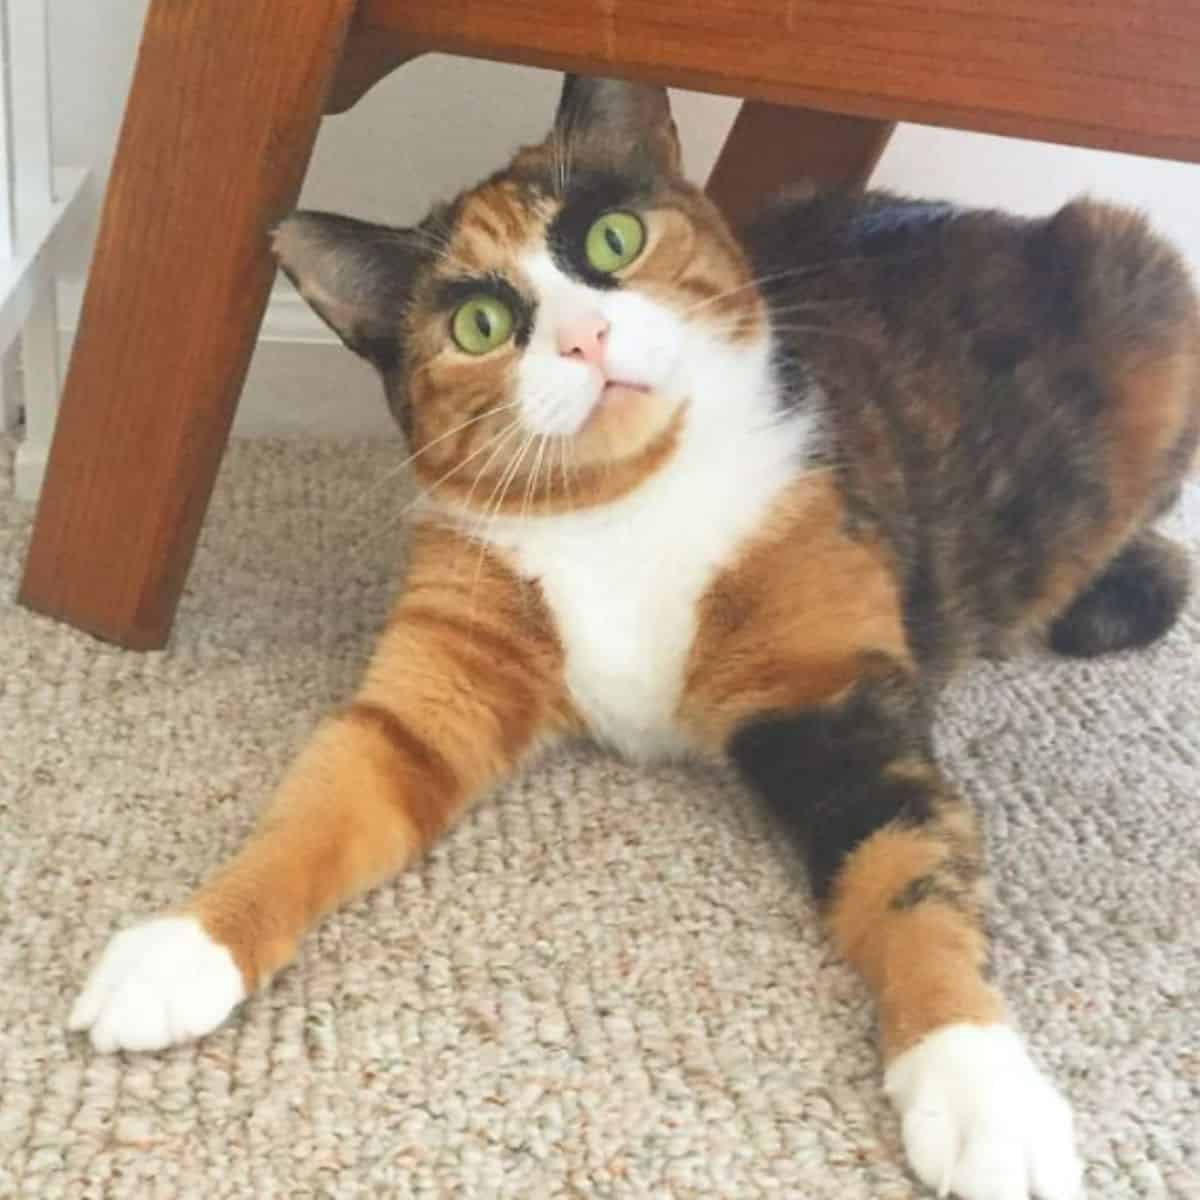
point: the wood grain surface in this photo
(366, 59)
(1121, 74)
(218, 131)
(771, 145)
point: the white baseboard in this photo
(287, 319)
(29, 468)
(302, 380)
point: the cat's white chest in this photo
(624, 605)
(623, 584)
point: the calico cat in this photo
(757, 496)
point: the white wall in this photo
(439, 123)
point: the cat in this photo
(753, 495)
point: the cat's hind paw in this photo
(980, 1121)
(156, 984)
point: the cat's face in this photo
(545, 338)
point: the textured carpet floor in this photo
(605, 983)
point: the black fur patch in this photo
(935, 886)
(822, 774)
(590, 194)
(1133, 602)
(1001, 351)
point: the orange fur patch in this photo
(605, 461)
(788, 624)
(1155, 399)
(704, 274)
(924, 963)
(467, 676)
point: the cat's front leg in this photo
(895, 863)
(466, 677)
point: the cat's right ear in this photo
(356, 276)
(617, 121)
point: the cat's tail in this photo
(1130, 294)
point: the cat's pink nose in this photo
(584, 339)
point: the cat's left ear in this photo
(356, 276)
(617, 122)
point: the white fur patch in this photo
(644, 345)
(623, 579)
(980, 1121)
(157, 984)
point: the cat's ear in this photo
(618, 122)
(356, 276)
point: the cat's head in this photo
(545, 338)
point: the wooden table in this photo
(224, 109)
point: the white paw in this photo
(980, 1121)
(156, 984)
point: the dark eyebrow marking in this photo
(450, 293)
(591, 194)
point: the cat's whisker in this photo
(738, 324)
(564, 146)
(514, 430)
(425, 493)
(573, 462)
(483, 471)
(807, 305)
(530, 480)
(429, 489)
(560, 166)
(537, 465)
(778, 327)
(827, 331)
(570, 167)
(812, 306)
(791, 273)
(494, 510)
(479, 522)
(393, 471)
(755, 283)
(562, 465)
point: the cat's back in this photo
(1010, 398)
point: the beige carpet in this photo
(606, 983)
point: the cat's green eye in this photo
(614, 241)
(481, 324)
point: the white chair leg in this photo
(39, 391)
(35, 199)
(10, 390)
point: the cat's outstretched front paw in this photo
(156, 984)
(980, 1121)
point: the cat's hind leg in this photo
(1131, 603)
(895, 862)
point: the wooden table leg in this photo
(369, 56)
(771, 145)
(218, 131)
